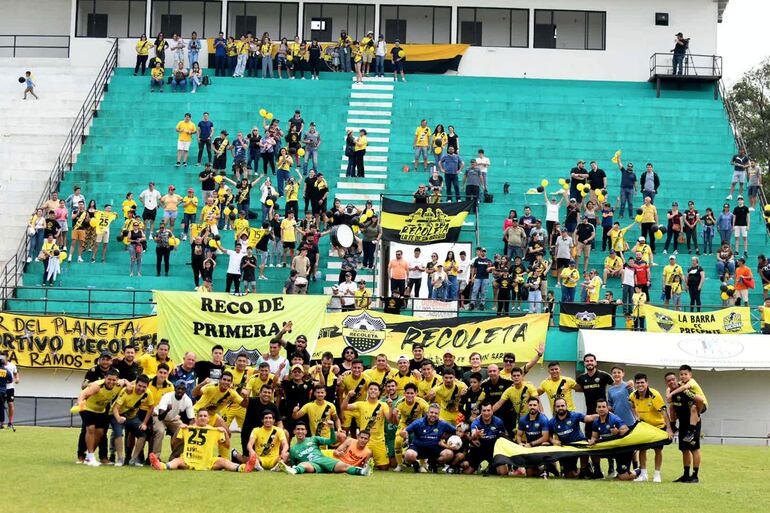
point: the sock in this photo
(89, 456)
(354, 471)
(686, 471)
(643, 473)
(695, 472)
(300, 469)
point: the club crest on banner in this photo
(363, 332)
(232, 354)
(427, 225)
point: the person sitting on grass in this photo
(308, 458)
(200, 441)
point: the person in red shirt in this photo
(744, 281)
(642, 275)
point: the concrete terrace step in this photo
(361, 186)
(369, 176)
(368, 168)
(383, 105)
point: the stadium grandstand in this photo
(502, 188)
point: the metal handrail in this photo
(732, 117)
(11, 274)
(15, 44)
(713, 66)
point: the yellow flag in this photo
(616, 158)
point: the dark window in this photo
(661, 19)
(186, 17)
(493, 27)
(356, 20)
(279, 19)
(570, 30)
(110, 18)
(416, 24)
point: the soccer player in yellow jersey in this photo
(160, 384)
(318, 412)
(380, 372)
(94, 405)
(200, 442)
(429, 379)
(557, 386)
(241, 375)
(407, 410)
(268, 444)
(353, 381)
(447, 395)
(647, 405)
(132, 411)
(221, 394)
(403, 376)
(371, 415)
(421, 144)
(694, 392)
(257, 381)
(149, 362)
(517, 394)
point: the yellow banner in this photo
(727, 320)
(62, 342)
(372, 333)
(196, 322)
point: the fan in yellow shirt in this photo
(268, 444)
(241, 226)
(557, 386)
(613, 266)
(200, 443)
(210, 213)
(594, 287)
(371, 414)
(447, 394)
(648, 406)
(128, 204)
(318, 413)
(570, 276)
(185, 129)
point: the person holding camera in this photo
(680, 49)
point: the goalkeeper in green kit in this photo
(307, 457)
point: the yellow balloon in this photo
(262, 113)
(62, 256)
(93, 223)
(402, 54)
(269, 203)
(301, 152)
(227, 211)
(212, 243)
(355, 229)
(583, 194)
(544, 183)
(290, 57)
(724, 296)
(600, 197)
(172, 241)
(566, 186)
(658, 235)
(218, 179)
(638, 218)
(437, 150)
(269, 115)
(562, 181)
(580, 187)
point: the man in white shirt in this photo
(482, 162)
(278, 364)
(233, 266)
(174, 409)
(348, 293)
(150, 197)
(73, 199)
(335, 302)
(416, 269)
(379, 57)
(439, 278)
(463, 275)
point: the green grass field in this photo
(38, 475)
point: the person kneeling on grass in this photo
(200, 440)
(308, 458)
(268, 444)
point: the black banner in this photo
(591, 316)
(421, 223)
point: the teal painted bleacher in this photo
(537, 129)
(133, 141)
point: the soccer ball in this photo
(454, 442)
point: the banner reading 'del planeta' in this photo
(420, 223)
(736, 319)
(64, 342)
(197, 322)
(372, 333)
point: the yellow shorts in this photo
(236, 412)
(268, 462)
(379, 452)
(349, 416)
(79, 235)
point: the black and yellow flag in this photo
(641, 436)
(420, 223)
(591, 316)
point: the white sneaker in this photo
(93, 463)
(283, 467)
(398, 468)
(69, 259)
(184, 237)
(29, 259)
(751, 209)
(729, 197)
(665, 252)
(641, 478)
(612, 475)
(271, 265)
(118, 463)
(264, 278)
(422, 470)
(80, 259)
(656, 478)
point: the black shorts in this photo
(289, 245)
(667, 292)
(692, 446)
(561, 263)
(568, 465)
(486, 452)
(98, 420)
(317, 209)
(9, 393)
(430, 453)
(149, 214)
(623, 462)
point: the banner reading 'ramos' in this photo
(372, 333)
(63, 342)
(197, 322)
(736, 319)
(421, 223)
